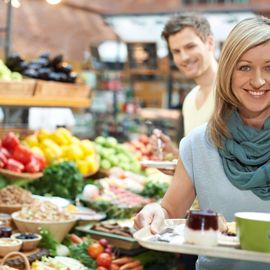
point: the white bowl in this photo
(58, 229)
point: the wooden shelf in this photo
(45, 102)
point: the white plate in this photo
(169, 165)
(229, 241)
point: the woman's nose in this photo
(257, 81)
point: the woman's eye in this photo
(267, 68)
(244, 68)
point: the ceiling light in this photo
(53, 2)
(15, 3)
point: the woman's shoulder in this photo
(198, 138)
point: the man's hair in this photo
(177, 23)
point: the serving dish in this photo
(58, 229)
(124, 242)
(169, 165)
(15, 176)
(177, 245)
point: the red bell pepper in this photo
(33, 166)
(10, 141)
(14, 165)
(22, 154)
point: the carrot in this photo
(122, 260)
(75, 239)
(138, 268)
(131, 265)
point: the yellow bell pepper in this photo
(31, 140)
(66, 133)
(93, 163)
(43, 134)
(59, 138)
(87, 147)
(75, 140)
(74, 152)
(83, 166)
(51, 149)
(37, 150)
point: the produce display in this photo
(114, 154)
(60, 145)
(64, 161)
(44, 67)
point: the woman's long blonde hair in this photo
(247, 34)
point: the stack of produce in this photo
(7, 75)
(114, 201)
(113, 154)
(60, 145)
(44, 68)
(17, 158)
(142, 148)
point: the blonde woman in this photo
(226, 163)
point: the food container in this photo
(8, 245)
(253, 230)
(58, 229)
(202, 228)
(30, 241)
(5, 231)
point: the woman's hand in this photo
(152, 214)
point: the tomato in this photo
(104, 242)
(95, 249)
(114, 267)
(101, 268)
(104, 259)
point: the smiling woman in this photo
(229, 157)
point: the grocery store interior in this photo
(83, 84)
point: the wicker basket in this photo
(3, 265)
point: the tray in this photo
(169, 165)
(14, 175)
(119, 241)
(177, 245)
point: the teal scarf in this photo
(246, 156)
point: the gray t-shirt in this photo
(214, 191)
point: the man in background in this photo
(191, 43)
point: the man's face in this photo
(190, 54)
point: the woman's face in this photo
(251, 82)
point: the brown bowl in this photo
(28, 244)
(8, 245)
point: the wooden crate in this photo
(24, 88)
(58, 89)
